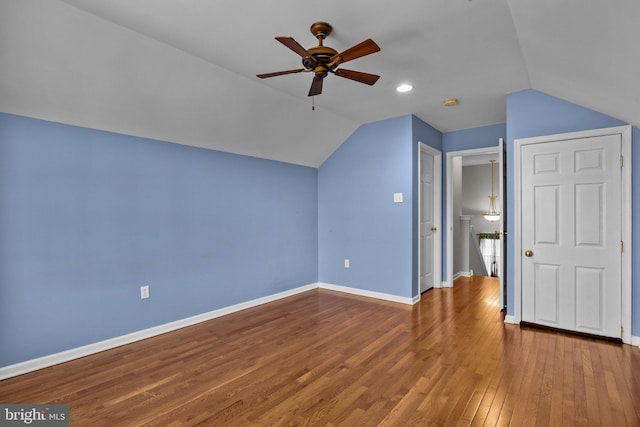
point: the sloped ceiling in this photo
(184, 70)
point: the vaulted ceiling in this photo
(184, 70)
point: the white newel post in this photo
(465, 224)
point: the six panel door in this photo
(571, 234)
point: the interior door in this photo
(427, 224)
(571, 234)
(502, 180)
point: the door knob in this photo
(528, 253)
(434, 229)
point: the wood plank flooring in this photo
(326, 358)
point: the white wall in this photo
(456, 178)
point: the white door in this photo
(427, 224)
(571, 202)
(502, 175)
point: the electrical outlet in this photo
(346, 263)
(397, 198)
(144, 292)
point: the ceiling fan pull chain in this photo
(313, 103)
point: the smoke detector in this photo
(450, 102)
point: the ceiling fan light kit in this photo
(322, 60)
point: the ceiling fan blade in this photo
(296, 47)
(358, 76)
(367, 47)
(316, 86)
(280, 73)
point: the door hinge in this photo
(621, 335)
(621, 161)
(621, 246)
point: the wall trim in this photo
(86, 350)
(510, 320)
(462, 274)
(78, 352)
(370, 294)
(635, 341)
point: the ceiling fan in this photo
(322, 60)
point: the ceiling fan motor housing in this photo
(321, 54)
(321, 58)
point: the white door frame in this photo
(437, 213)
(625, 133)
(449, 214)
(502, 159)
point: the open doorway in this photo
(469, 185)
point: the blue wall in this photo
(88, 217)
(425, 133)
(357, 218)
(531, 113)
(469, 139)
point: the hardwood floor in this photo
(326, 358)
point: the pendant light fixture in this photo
(492, 214)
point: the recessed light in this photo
(404, 87)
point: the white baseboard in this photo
(510, 319)
(75, 353)
(635, 341)
(370, 294)
(446, 285)
(463, 274)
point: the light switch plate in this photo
(144, 292)
(397, 197)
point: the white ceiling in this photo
(184, 70)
